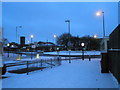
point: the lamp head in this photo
(54, 36)
(95, 36)
(8, 44)
(82, 44)
(31, 36)
(67, 20)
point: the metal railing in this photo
(33, 65)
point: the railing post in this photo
(27, 67)
(51, 63)
(89, 57)
(83, 54)
(59, 60)
(41, 64)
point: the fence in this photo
(114, 63)
(33, 65)
(114, 53)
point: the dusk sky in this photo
(44, 19)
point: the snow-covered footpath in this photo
(78, 74)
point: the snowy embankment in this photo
(78, 74)
(74, 53)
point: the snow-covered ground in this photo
(74, 53)
(78, 74)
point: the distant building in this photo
(22, 40)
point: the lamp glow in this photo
(98, 13)
(54, 36)
(12, 46)
(8, 44)
(82, 44)
(95, 36)
(31, 36)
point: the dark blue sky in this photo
(43, 20)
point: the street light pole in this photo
(82, 44)
(82, 53)
(16, 34)
(8, 45)
(55, 36)
(103, 21)
(31, 44)
(68, 21)
(103, 25)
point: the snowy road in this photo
(78, 74)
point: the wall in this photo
(114, 53)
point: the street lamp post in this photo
(103, 21)
(8, 45)
(55, 36)
(68, 21)
(31, 36)
(58, 58)
(29, 46)
(17, 37)
(82, 44)
(58, 52)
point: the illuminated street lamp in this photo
(95, 36)
(55, 36)
(31, 36)
(12, 45)
(28, 42)
(58, 52)
(8, 45)
(99, 14)
(82, 44)
(68, 21)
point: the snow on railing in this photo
(114, 49)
